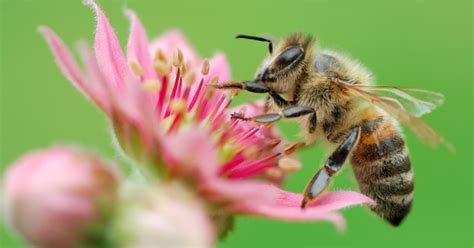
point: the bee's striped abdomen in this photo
(383, 169)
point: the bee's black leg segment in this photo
(313, 120)
(229, 86)
(254, 87)
(321, 179)
(279, 100)
(297, 111)
(246, 85)
(260, 119)
(288, 112)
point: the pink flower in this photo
(167, 120)
(53, 195)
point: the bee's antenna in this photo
(243, 36)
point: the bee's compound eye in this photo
(288, 58)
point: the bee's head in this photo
(285, 63)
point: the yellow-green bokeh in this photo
(425, 44)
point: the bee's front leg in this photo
(254, 87)
(321, 179)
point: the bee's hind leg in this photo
(321, 179)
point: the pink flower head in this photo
(53, 195)
(174, 126)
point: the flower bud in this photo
(164, 215)
(54, 196)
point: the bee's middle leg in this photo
(321, 179)
(288, 113)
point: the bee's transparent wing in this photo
(416, 101)
(405, 105)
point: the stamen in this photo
(186, 92)
(214, 80)
(273, 143)
(288, 164)
(151, 85)
(250, 152)
(251, 172)
(231, 164)
(217, 106)
(291, 148)
(173, 93)
(176, 121)
(162, 68)
(136, 68)
(178, 106)
(274, 173)
(183, 69)
(221, 111)
(180, 85)
(256, 163)
(205, 67)
(189, 77)
(178, 58)
(160, 56)
(248, 134)
(196, 95)
(161, 100)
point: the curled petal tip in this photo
(91, 3)
(338, 221)
(129, 13)
(42, 29)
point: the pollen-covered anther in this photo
(162, 68)
(178, 57)
(183, 69)
(274, 173)
(214, 80)
(289, 149)
(160, 56)
(234, 92)
(205, 67)
(178, 106)
(210, 90)
(250, 152)
(136, 68)
(288, 164)
(151, 85)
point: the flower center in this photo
(180, 98)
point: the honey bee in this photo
(335, 100)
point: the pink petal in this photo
(286, 205)
(329, 201)
(296, 214)
(107, 49)
(219, 66)
(65, 60)
(171, 40)
(191, 150)
(249, 109)
(243, 192)
(133, 103)
(137, 48)
(96, 81)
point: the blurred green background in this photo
(425, 44)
